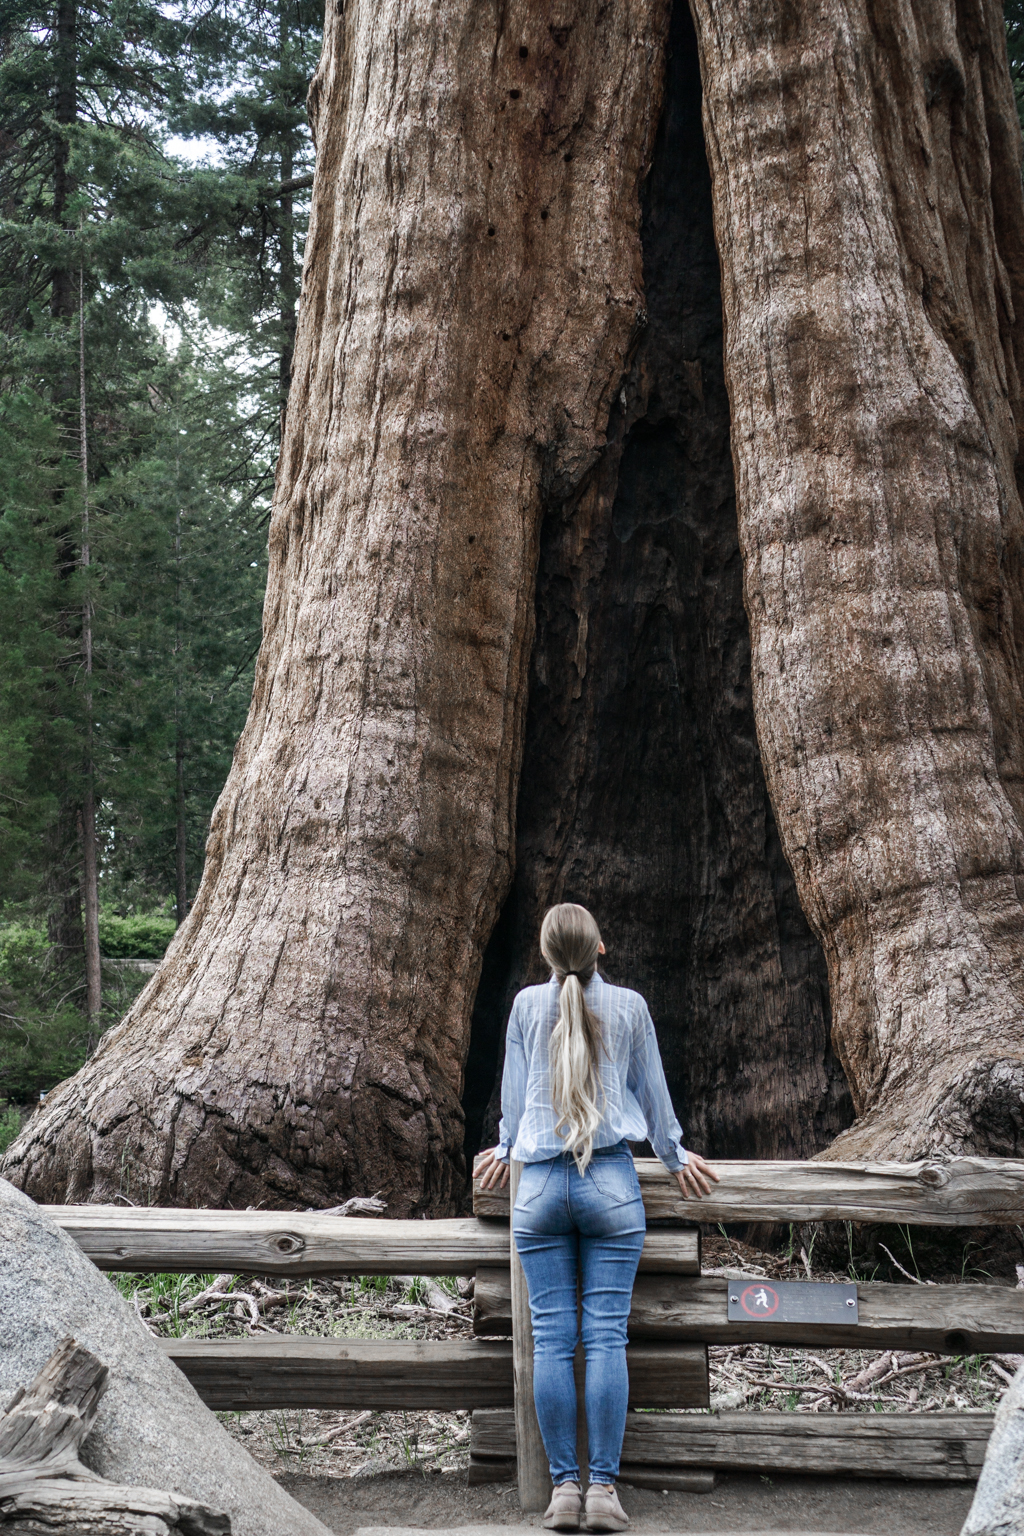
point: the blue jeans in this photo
(592, 1227)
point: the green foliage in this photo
(10, 1125)
(179, 283)
(34, 726)
(143, 936)
(23, 956)
(39, 1049)
(42, 1035)
(252, 70)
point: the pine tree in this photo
(253, 67)
(75, 83)
(100, 224)
(186, 585)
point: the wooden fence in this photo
(676, 1313)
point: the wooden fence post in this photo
(531, 1459)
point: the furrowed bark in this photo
(866, 167)
(471, 292)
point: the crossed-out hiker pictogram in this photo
(759, 1300)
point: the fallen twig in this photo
(840, 1393)
(437, 1298)
(359, 1205)
(914, 1279)
(339, 1429)
(871, 1372)
(408, 1309)
(213, 1293)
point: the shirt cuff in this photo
(675, 1159)
(503, 1152)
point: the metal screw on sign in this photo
(734, 1298)
(850, 1301)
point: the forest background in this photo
(155, 165)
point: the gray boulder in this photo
(151, 1429)
(998, 1508)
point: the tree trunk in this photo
(65, 112)
(472, 290)
(90, 872)
(180, 744)
(180, 830)
(64, 853)
(866, 166)
(485, 439)
(642, 794)
(64, 931)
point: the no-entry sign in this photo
(792, 1301)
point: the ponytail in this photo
(569, 941)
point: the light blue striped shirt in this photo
(637, 1106)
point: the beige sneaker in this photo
(563, 1513)
(604, 1512)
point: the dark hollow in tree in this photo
(642, 794)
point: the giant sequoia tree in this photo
(505, 655)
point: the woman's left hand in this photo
(492, 1173)
(693, 1179)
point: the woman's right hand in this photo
(693, 1179)
(491, 1172)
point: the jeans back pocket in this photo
(615, 1179)
(532, 1183)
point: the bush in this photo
(38, 1049)
(143, 936)
(23, 953)
(10, 1125)
(43, 1036)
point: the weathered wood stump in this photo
(44, 1487)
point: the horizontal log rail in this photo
(299, 1372)
(140, 1239)
(944, 1319)
(947, 1447)
(966, 1191)
(675, 1314)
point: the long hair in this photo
(569, 941)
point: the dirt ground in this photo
(443, 1501)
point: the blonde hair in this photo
(569, 942)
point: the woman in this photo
(583, 1078)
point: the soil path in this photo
(401, 1504)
